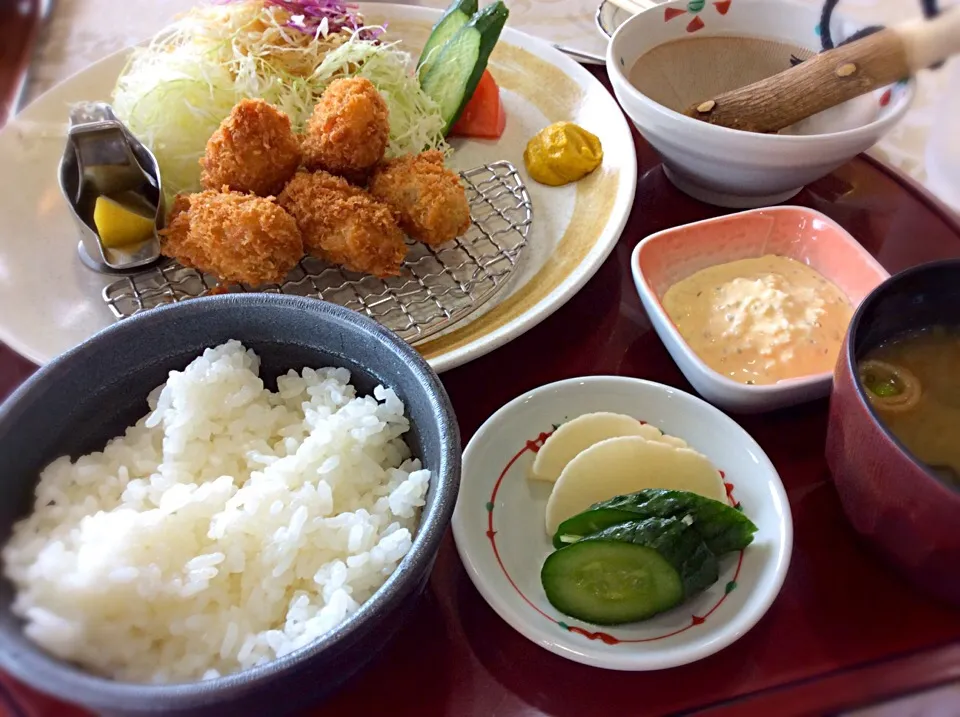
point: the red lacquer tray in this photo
(845, 630)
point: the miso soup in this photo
(913, 383)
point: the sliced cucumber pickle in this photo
(608, 583)
(723, 528)
(629, 572)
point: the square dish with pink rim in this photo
(664, 258)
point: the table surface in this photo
(845, 632)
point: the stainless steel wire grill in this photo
(436, 287)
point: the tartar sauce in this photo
(763, 320)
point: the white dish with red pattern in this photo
(498, 525)
(727, 167)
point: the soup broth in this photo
(913, 382)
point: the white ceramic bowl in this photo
(731, 168)
(802, 234)
(498, 525)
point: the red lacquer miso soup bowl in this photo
(907, 510)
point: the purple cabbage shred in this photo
(307, 15)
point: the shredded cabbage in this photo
(175, 92)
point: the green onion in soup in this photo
(889, 387)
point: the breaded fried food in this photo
(253, 150)
(428, 198)
(239, 238)
(347, 133)
(343, 224)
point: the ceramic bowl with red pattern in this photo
(908, 512)
(501, 536)
(727, 167)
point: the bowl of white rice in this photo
(222, 506)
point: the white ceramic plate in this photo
(498, 525)
(49, 302)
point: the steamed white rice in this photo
(228, 527)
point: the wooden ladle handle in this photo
(835, 76)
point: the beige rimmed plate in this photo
(49, 302)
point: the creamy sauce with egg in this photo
(762, 320)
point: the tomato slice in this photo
(484, 116)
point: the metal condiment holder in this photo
(102, 157)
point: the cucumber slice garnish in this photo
(452, 77)
(455, 17)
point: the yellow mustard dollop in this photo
(562, 153)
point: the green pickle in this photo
(723, 528)
(629, 572)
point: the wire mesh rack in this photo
(437, 287)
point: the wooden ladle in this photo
(835, 76)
